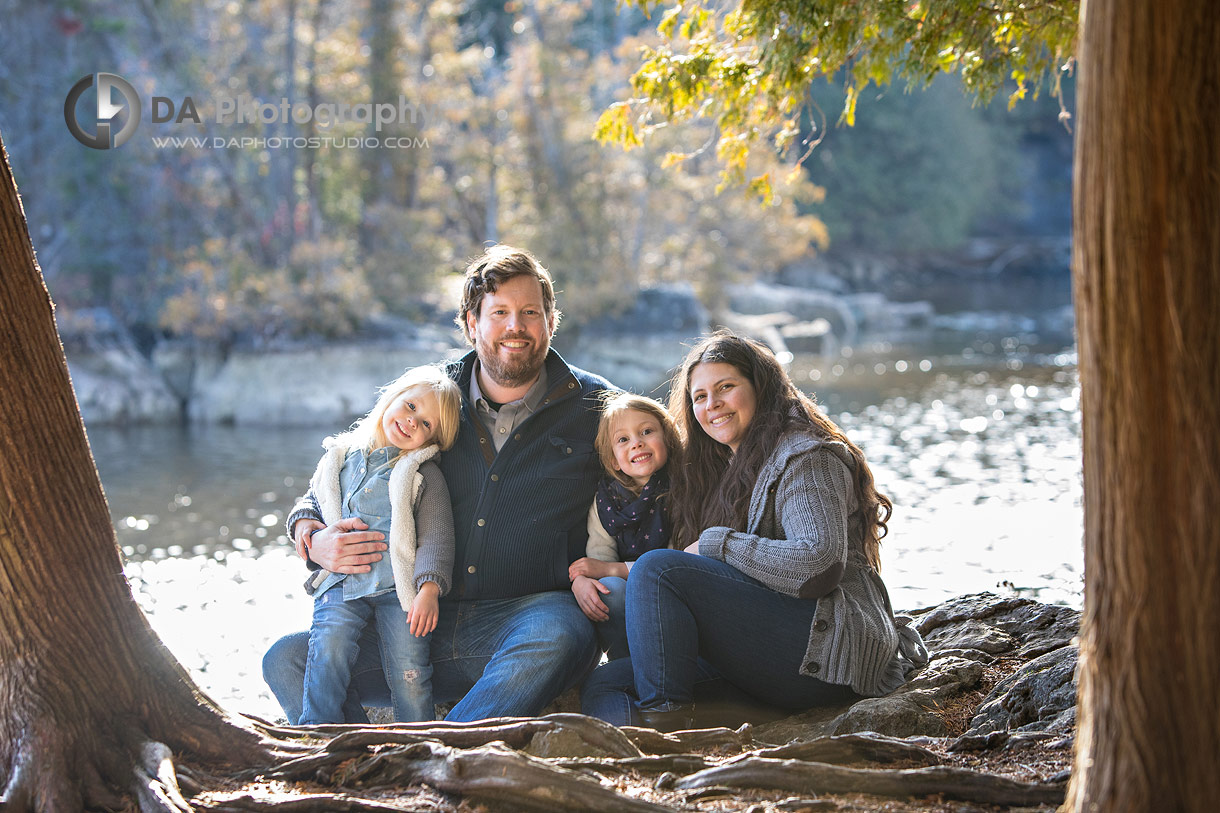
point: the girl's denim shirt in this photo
(364, 482)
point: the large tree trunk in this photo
(1147, 274)
(84, 682)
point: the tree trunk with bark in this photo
(1146, 263)
(86, 687)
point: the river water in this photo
(977, 446)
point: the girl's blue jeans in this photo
(697, 629)
(334, 642)
(612, 634)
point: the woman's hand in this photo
(303, 529)
(587, 595)
(424, 610)
(693, 547)
(345, 547)
(591, 568)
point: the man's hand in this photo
(424, 610)
(591, 568)
(345, 547)
(303, 529)
(586, 591)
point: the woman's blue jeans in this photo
(496, 657)
(695, 624)
(334, 642)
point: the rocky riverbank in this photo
(310, 383)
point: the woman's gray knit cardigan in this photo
(799, 542)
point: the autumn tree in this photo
(1146, 268)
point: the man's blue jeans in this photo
(497, 657)
(695, 624)
(333, 646)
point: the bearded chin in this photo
(512, 373)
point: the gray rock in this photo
(964, 608)
(976, 655)
(563, 743)
(307, 386)
(671, 308)
(638, 349)
(946, 676)
(803, 305)
(898, 715)
(806, 725)
(1036, 702)
(113, 381)
(1040, 628)
(970, 634)
(1034, 628)
(117, 385)
(1038, 697)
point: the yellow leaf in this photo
(672, 158)
(670, 19)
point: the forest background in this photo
(251, 246)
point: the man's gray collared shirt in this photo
(503, 421)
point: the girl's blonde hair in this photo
(618, 403)
(366, 434)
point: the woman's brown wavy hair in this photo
(713, 486)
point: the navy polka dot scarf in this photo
(638, 522)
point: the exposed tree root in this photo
(804, 777)
(156, 784)
(659, 763)
(685, 742)
(510, 779)
(314, 803)
(477, 761)
(848, 748)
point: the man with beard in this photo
(510, 637)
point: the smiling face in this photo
(723, 401)
(410, 421)
(512, 332)
(639, 445)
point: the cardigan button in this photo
(820, 625)
(814, 668)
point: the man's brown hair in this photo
(496, 266)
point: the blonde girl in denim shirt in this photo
(382, 472)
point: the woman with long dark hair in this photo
(784, 601)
